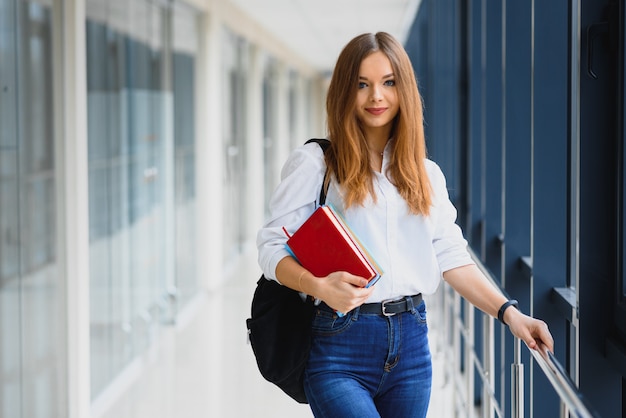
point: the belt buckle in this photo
(383, 304)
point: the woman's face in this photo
(377, 98)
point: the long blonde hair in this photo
(348, 157)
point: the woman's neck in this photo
(376, 147)
(377, 138)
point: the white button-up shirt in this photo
(412, 250)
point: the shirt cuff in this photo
(276, 257)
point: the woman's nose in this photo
(376, 94)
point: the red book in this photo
(325, 244)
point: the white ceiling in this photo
(317, 30)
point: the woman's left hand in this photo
(533, 332)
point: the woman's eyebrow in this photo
(384, 77)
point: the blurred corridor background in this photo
(140, 141)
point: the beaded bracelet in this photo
(505, 305)
(300, 280)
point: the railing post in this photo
(517, 382)
(564, 410)
(469, 358)
(488, 362)
(456, 341)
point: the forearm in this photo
(291, 274)
(472, 284)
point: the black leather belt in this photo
(392, 307)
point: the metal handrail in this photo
(572, 402)
(561, 382)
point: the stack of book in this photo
(325, 244)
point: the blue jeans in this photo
(368, 365)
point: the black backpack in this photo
(279, 328)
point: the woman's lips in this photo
(376, 110)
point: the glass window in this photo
(30, 321)
(10, 384)
(270, 130)
(293, 108)
(185, 50)
(235, 54)
(130, 147)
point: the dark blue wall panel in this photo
(550, 205)
(599, 144)
(495, 76)
(492, 140)
(517, 163)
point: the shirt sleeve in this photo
(293, 201)
(448, 242)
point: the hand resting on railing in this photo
(533, 332)
(471, 283)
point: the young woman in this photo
(375, 360)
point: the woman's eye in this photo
(390, 82)
(362, 85)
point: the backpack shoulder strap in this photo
(324, 143)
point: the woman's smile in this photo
(376, 110)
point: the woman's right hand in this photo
(340, 290)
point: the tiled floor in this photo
(204, 367)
